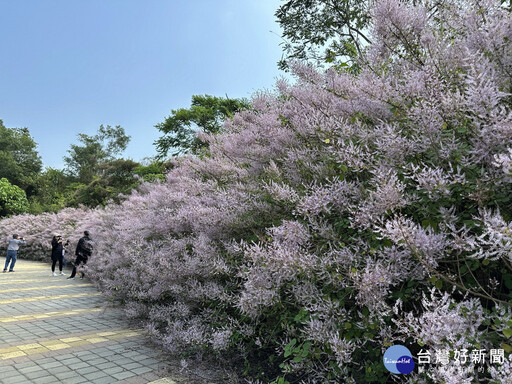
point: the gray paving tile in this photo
(51, 364)
(104, 380)
(65, 375)
(95, 375)
(123, 375)
(141, 370)
(9, 373)
(16, 380)
(133, 360)
(106, 365)
(37, 374)
(44, 380)
(32, 368)
(84, 371)
(80, 365)
(113, 370)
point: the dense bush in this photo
(339, 216)
(38, 230)
(13, 199)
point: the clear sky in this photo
(67, 66)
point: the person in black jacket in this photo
(83, 251)
(57, 253)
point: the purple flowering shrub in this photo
(341, 215)
(38, 230)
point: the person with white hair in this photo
(12, 251)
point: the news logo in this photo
(398, 359)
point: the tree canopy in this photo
(84, 160)
(20, 162)
(331, 32)
(13, 199)
(323, 31)
(206, 114)
(94, 172)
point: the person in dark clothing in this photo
(83, 251)
(57, 253)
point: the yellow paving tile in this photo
(29, 346)
(53, 345)
(32, 279)
(36, 316)
(47, 287)
(56, 347)
(50, 342)
(70, 339)
(9, 349)
(21, 271)
(41, 316)
(52, 297)
(33, 351)
(78, 343)
(17, 281)
(93, 340)
(18, 274)
(106, 333)
(11, 355)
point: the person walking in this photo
(12, 252)
(83, 251)
(58, 253)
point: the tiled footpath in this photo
(57, 330)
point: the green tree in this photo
(114, 178)
(323, 31)
(13, 199)
(19, 161)
(97, 174)
(84, 160)
(207, 114)
(50, 191)
(119, 174)
(155, 170)
(329, 31)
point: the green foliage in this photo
(323, 31)
(113, 178)
(50, 191)
(151, 172)
(84, 161)
(96, 173)
(19, 161)
(13, 199)
(93, 175)
(92, 194)
(119, 174)
(206, 114)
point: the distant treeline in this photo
(95, 172)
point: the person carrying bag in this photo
(84, 249)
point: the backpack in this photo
(87, 246)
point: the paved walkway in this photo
(57, 330)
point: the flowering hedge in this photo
(38, 230)
(341, 215)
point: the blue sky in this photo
(67, 66)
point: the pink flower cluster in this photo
(324, 214)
